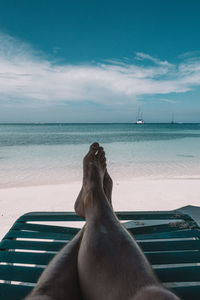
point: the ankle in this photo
(93, 190)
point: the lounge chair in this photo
(170, 240)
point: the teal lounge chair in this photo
(170, 240)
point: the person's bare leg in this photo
(111, 266)
(154, 293)
(60, 279)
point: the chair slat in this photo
(170, 235)
(45, 228)
(178, 274)
(130, 215)
(170, 246)
(173, 257)
(50, 216)
(161, 228)
(31, 245)
(25, 257)
(19, 273)
(141, 215)
(187, 292)
(14, 291)
(38, 235)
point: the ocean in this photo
(40, 154)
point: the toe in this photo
(100, 152)
(94, 147)
(102, 157)
(92, 150)
(103, 162)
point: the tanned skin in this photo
(103, 261)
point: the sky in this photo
(99, 60)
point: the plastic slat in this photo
(32, 245)
(170, 246)
(38, 235)
(170, 235)
(13, 291)
(45, 228)
(19, 273)
(178, 274)
(161, 228)
(173, 257)
(50, 216)
(187, 292)
(71, 216)
(144, 223)
(25, 257)
(151, 215)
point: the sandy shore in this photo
(137, 194)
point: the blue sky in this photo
(98, 61)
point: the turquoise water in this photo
(32, 154)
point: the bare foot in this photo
(94, 169)
(108, 186)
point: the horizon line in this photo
(57, 123)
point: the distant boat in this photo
(173, 121)
(139, 119)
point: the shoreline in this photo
(115, 178)
(135, 194)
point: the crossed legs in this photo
(103, 261)
(60, 280)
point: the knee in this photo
(155, 292)
(39, 297)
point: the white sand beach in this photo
(154, 167)
(135, 194)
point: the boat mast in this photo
(172, 121)
(139, 117)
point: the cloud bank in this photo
(26, 74)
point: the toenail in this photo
(95, 145)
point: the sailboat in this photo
(173, 121)
(139, 119)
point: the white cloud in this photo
(144, 56)
(25, 74)
(168, 100)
